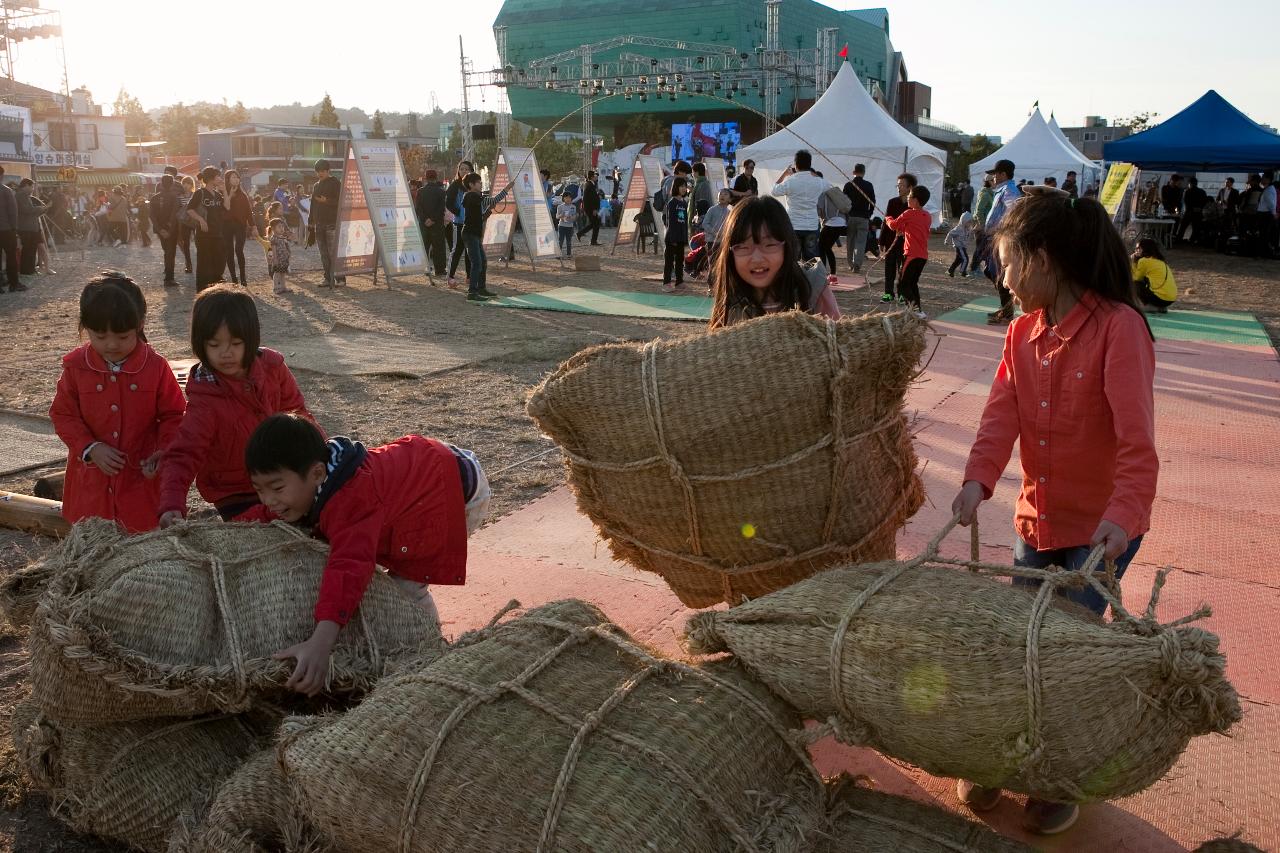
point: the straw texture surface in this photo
(554, 731)
(252, 812)
(969, 677)
(737, 462)
(184, 621)
(867, 820)
(130, 781)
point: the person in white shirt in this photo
(802, 188)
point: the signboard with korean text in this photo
(633, 205)
(520, 166)
(653, 176)
(389, 206)
(500, 227)
(357, 249)
(716, 174)
(1113, 190)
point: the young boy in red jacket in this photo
(408, 506)
(914, 225)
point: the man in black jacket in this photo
(429, 205)
(325, 193)
(164, 221)
(9, 236)
(1193, 204)
(591, 207)
(1171, 196)
(862, 198)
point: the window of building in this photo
(1106, 137)
(89, 133)
(1090, 136)
(62, 136)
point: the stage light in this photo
(644, 98)
(679, 78)
(701, 60)
(549, 85)
(653, 63)
(729, 95)
(608, 92)
(698, 89)
(627, 96)
(662, 80)
(554, 70)
(755, 84)
(644, 81)
(595, 66)
(617, 81)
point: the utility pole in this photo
(465, 66)
(588, 145)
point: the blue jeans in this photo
(1070, 559)
(474, 244)
(808, 244)
(564, 234)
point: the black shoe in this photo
(187, 270)
(17, 288)
(477, 297)
(168, 282)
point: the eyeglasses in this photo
(768, 247)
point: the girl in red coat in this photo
(116, 407)
(236, 385)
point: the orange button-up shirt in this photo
(1078, 397)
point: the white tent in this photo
(1057, 131)
(846, 127)
(1038, 153)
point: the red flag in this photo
(844, 52)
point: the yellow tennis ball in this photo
(748, 530)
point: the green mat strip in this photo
(1220, 327)
(618, 303)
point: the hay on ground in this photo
(737, 462)
(969, 677)
(130, 781)
(555, 731)
(863, 819)
(184, 621)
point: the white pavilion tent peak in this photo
(1037, 153)
(846, 127)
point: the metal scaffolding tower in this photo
(504, 103)
(468, 145)
(827, 40)
(772, 46)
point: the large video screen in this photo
(705, 139)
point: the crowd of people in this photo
(1240, 220)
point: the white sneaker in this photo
(920, 315)
(117, 244)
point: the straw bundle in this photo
(738, 462)
(130, 781)
(20, 592)
(867, 820)
(252, 812)
(1228, 845)
(555, 731)
(184, 621)
(969, 677)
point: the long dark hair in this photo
(112, 302)
(1149, 248)
(734, 299)
(1078, 238)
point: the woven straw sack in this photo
(251, 812)
(184, 621)
(555, 732)
(738, 462)
(130, 781)
(966, 676)
(867, 820)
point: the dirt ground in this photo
(479, 405)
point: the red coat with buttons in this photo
(135, 410)
(221, 415)
(402, 509)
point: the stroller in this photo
(696, 260)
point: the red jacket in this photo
(913, 225)
(402, 509)
(221, 415)
(1078, 399)
(136, 410)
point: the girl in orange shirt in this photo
(1075, 389)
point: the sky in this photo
(987, 62)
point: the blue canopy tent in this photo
(1208, 136)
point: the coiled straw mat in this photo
(130, 781)
(184, 621)
(738, 462)
(554, 731)
(866, 820)
(252, 812)
(968, 677)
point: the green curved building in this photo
(540, 28)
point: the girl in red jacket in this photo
(236, 385)
(117, 405)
